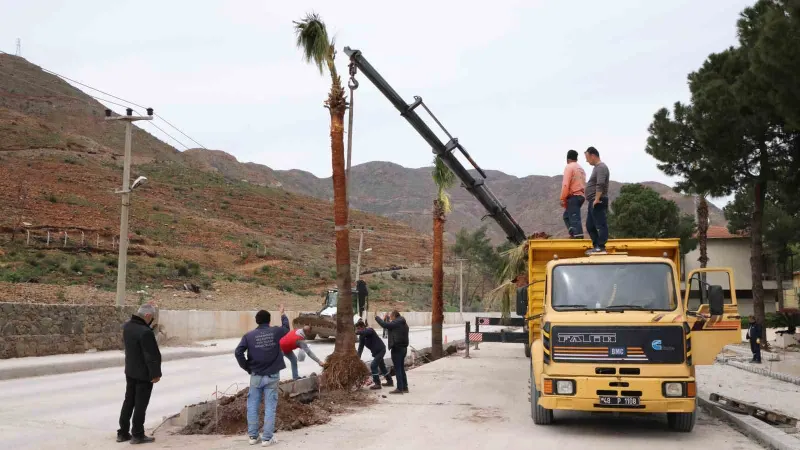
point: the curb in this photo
(760, 431)
(769, 356)
(48, 368)
(759, 370)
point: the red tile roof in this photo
(717, 232)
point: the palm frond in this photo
(444, 178)
(312, 39)
(514, 262)
(502, 295)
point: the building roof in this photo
(718, 232)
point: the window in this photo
(630, 286)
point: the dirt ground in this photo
(230, 418)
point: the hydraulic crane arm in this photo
(476, 187)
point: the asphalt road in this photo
(480, 403)
(81, 410)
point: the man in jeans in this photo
(597, 199)
(264, 362)
(398, 346)
(142, 370)
(754, 336)
(369, 338)
(572, 195)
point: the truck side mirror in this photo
(522, 301)
(716, 300)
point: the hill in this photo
(60, 164)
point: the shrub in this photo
(395, 275)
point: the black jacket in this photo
(369, 338)
(142, 357)
(754, 332)
(361, 288)
(398, 331)
(264, 355)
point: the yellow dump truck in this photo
(613, 332)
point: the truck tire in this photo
(527, 350)
(540, 415)
(682, 422)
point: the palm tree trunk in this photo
(437, 315)
(779, 265)
(345, 334)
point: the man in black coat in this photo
(398, 347)
(369, 338)
(142, 370)
(754, 336)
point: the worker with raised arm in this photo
(597, 199)
(398, 347)
(367, 337)
(264, 363)
(572, 195)
(293, 340)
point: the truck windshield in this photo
(333, 297)
(613, 287)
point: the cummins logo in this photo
(587, 338)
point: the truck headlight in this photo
(673, 389)
(565, 387)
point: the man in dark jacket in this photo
(361, 292)
(264, 362)
(142, 370)
(754, 335)
(398, 346)
(369, 338)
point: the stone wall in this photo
(39, 329)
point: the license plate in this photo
(619, 401)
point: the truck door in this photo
(712, 313)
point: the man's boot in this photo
(389, 382)
(142, 440)
(376, 383)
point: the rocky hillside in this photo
(406, 194)
(193, 222)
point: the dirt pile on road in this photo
(230, 416)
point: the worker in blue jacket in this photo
(754, 336)
(367, 337)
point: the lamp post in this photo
(122, 263)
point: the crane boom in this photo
(475, 186)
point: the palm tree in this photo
(318, 49)
(444, 179)
(702, 228)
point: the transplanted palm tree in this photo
(444, 179)
(318, 49)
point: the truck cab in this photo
(612, 332)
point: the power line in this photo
(129, 103)
(90, 104)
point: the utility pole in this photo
(19, 47)
(361, 232)
(461, 284)
(122, 264)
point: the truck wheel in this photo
(683, 422)
(540, 415)
(527, 350)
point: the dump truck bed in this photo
(542, 251)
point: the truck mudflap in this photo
(619, 394)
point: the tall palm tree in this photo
(444, 179)
(318, 49)
(702, 228)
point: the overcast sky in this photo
(518, 82)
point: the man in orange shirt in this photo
(572, 195)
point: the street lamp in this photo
(127, 188)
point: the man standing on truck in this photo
(369, 338)
(754, 336)
(572, 195)
(597, 199)
(293, 340)
(398, 346)
(264, 363)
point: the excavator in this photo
(606, 332)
